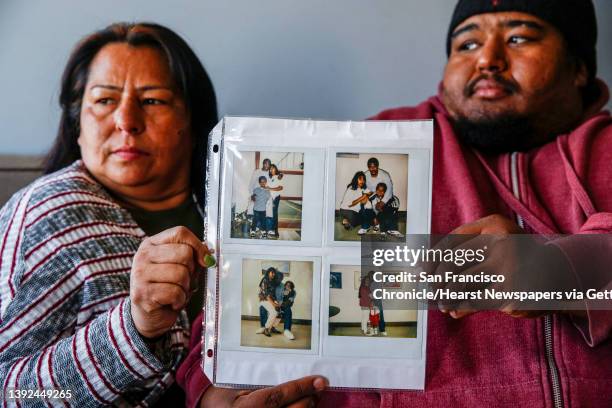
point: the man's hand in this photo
(526, 264)
(300, 393)
(253, 197)
(164, 272)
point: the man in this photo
(376, 175)
(520, 145)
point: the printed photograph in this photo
(267, 195)
(371, 196)
(276, 304)
(353, 311)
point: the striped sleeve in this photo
(65, 319)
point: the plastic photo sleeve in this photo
(288, 203)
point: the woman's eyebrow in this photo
(140, 88)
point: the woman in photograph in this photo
(355, 207)
(365, 302)
(100, 257)
(268, 301)
(275, 186)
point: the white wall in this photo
(341, 59)
(243, 170)
(347, 299)
(300, 273)
(395, 164)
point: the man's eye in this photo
(468, 46)
(517, 39)
(153, 101)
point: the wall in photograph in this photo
(347, 300)
(244, 164)
(300, 275)
(395, 164)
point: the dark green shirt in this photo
(187, 215)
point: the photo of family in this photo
(267, 195)
(276, 304)
(371, 196)
(353, 310)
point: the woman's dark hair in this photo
(353, 184)
(270, 171)
(291, 284)
(271, 269)
(189, 75)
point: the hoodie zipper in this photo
(548, 328)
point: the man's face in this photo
(373, 168)
(266, 165)
(514, 65)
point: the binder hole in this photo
(216, 148)
(209, 353)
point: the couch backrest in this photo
(17, 172)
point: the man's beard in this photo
(504, 134)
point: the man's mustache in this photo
(508, 85)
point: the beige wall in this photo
(15, 173)
(300, 273)
(348, 301)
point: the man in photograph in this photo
(376, 175)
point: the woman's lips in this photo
(129, 153)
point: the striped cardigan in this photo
(66, 250)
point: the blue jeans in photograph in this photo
(381, 322)
(275, 204)
(261, 221)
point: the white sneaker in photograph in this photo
(395, 233)
(271, 234)
(289, 335)
(384, 334)
(362, 231)
(260, 330)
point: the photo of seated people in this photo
(371, 194)
(267, 196)
(276, 304)
(354, 311)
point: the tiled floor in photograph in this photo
(249, 338)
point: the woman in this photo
(365, 302)
(275, 186)
(267, 299)
(355, 207)
(96, 269)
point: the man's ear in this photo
(581, 77)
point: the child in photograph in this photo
(365, 302)
(254, 182)
(386, 216)
(288, 297)
(355, 207)
(267, 300)
(261, 196)
(275, 187)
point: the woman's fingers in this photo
(182, 235)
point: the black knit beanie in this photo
(575, 19)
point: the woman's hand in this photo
(301, 393)
(163, 274)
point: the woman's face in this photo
(135, 137)
(273, 170)
(360, 181)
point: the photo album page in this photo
(288, 205)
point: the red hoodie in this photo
(490, 359)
